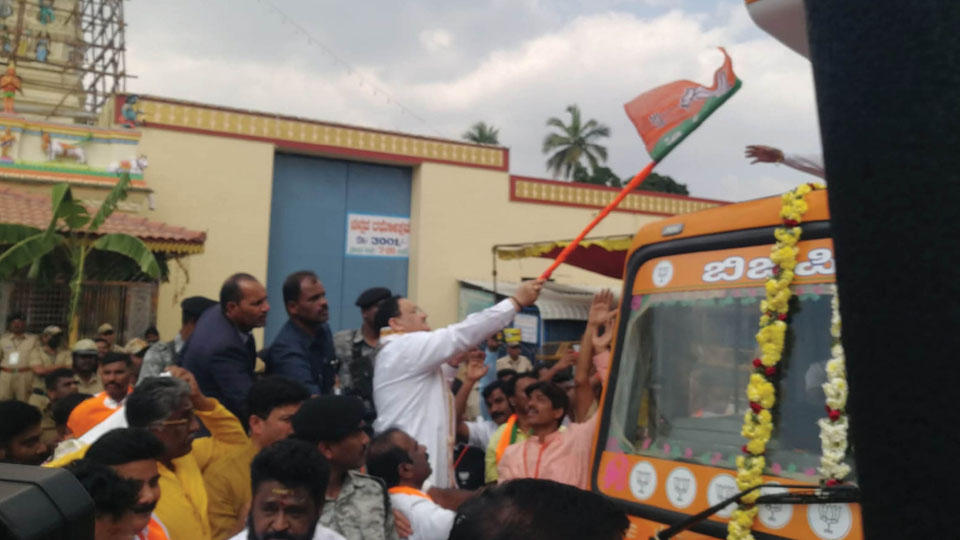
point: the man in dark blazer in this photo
(221, 352)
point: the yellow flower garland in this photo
(758, 421)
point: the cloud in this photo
(599, 60)
(435, 40)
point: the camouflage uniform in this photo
(356, 368)
(159, 357)
(361, 511)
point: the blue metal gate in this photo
(311, 200)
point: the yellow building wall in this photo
(215, 184)
(458, 214)
(223, 186)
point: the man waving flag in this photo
(664, 117)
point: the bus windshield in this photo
(682, 374)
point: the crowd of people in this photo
(349, 435)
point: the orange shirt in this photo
(91, 412)
(154, 531)
(563, 456)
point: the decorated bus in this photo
(724, 412)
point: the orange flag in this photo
(665, 115)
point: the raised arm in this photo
(475, 371)
(600, 312)
(568, 359)
(438, 346)
(768, 154)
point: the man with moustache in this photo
(116, 375)
(171, 408)
(515, 429)
(357, 505)
(221, 352)
(303, 350)
(271, 404)
(551, 453)
(403, 464)
(288, 482)
(114, 499)
(134, 454)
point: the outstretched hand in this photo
(476, 368)
(601, 310)
(763, 154)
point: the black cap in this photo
(328, 418)
(196, 305)
(372, 295)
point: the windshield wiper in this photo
(810, 494)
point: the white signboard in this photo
(378, 236)
(529, 326)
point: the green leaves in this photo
(482, 133)
(68, 209)
(11, 233)
(117, 194)
(574, 142)
(132, 247)
(26, 251)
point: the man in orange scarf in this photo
(402, 463)
(115, 375)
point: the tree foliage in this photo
(603, 176)
(574, 142)
(663, 184)
(72, 232)
(482, 133)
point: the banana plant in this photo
(74, 230)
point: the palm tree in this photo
(574, 142)
(74, 231)
(482, 133)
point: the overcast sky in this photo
(512, 63)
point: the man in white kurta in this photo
(410, 384)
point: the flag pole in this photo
(632, 185)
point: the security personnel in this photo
(16, 345)
(356, 349)
(47, 357)
(357, 506)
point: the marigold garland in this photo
(758, 421)
(833, 428)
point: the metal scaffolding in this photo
(104, 57)
(83, 60)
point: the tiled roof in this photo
(34, 211)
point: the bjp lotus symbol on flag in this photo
(665, 115)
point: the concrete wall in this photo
(223, 186)
(215, 184)
(458, 214)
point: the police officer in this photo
(357, 506)
(355, 350)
